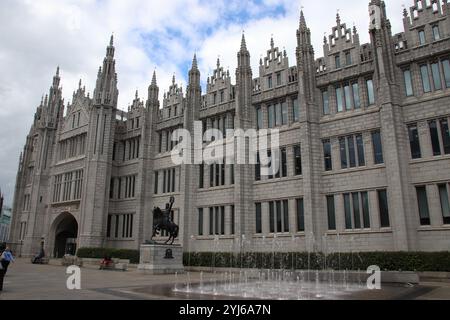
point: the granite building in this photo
(365, 150)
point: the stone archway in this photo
(65, 234)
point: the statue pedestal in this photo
(161, 259)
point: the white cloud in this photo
(36, 36)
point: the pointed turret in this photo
(153, 93)
(106, 92)
(194, 73)
(243, 54)
(110, 50)
(56, 79)
(243, 43)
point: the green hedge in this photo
(387, 261)
(100, 253)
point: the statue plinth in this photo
(161, 259)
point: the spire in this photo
(272, 44)
(338, 19)
(56, 78)
(218, 63)
(173, 79)
(302, 19)
(137, 94)
(194, 62)
(243, 43)
(79, 85)
(110, 49)
(154, 78)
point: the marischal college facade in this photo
(364, 141)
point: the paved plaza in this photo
(25, 281)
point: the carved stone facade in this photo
(365, 148)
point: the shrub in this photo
(387, 261)
(100, 253)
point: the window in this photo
(446, 67)
(111, 188)
(202, 176)
(298, 160)
(211, 221)
(348, 213)
(377, 147)
(258, 168)
(284, 111)
(339, 101)
(211, 175)
(269, 82)
(422, 201)
(435, 138)
(286, 216)
(214, 98)
(278, 115)
(222, 96)
(445, 135)
(258, 218)
(370, 92)
(331, 213)
(200, 221)
(156, 182)
(436, 76)
(271, 116)
(325, 102)
(259, 120)
(283, 163)
(408, 83)
(445, 205)
(356, 99)
(384, 209)
(278, 79)
(271, 217)
(300, 215)
(352, 151)
(343, 152)
(365, 208)
(279, 216)
(348, 58)
(108, 228)
(421, 37)
(414, 142)
(348, 98)
(222, 221)
(232, 220)
(425, 79)
(436, 33)
(327, 155)
(337, 61)
(356, 211)
(296, 110)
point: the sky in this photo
(36, 36)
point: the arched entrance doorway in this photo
(66, 233)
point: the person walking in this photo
(5, 259)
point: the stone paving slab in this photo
(25, 281)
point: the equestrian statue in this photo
(162, 221)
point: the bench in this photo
(71, 261)
(116, 264)
(44, 260)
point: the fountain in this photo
(281, 281)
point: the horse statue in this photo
(163, 222)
